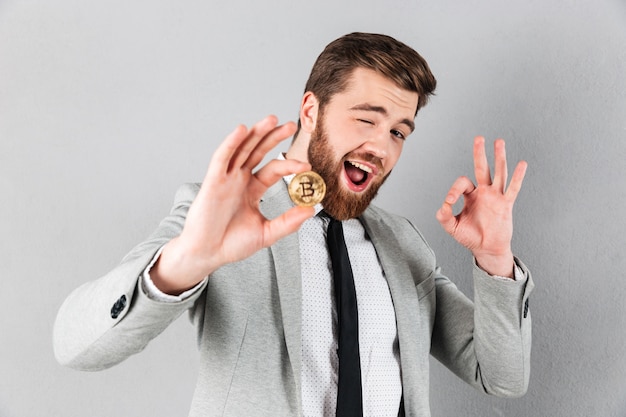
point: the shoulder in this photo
(399, 244)
(386, 216)
(381, 221)
(187, 192)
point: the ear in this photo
(309, 110)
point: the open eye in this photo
(398, 134)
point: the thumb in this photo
(446, 217)
(287, 223)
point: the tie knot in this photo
(325, 215)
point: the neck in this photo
(299, 149)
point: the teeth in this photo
(361, 167)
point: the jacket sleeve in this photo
(487, 343)
(103, 322)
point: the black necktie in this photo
(349, 394)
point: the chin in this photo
(343, 203)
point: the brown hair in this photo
(381, 53)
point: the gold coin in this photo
(307, 189)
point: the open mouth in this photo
(358, 175)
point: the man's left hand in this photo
(485, 223)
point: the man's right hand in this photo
(224, 223)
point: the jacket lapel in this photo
(397, 272)
(286, 256)
(403, 293)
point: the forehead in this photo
(368, 86)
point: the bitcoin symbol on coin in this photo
(307, 189)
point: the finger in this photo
(255, 135)
(445, 215)
(481, 166)
(500, 173)
(273, 171)
(516, 180)
(462, 185)
(269, 142)
(285, 224)
(224, 153)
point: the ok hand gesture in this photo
(485, 223)
(224, 223)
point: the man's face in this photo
(358, 139)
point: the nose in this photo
(377, 143)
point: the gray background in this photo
(106, 107)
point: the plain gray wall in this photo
(106, 107)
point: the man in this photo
(262, 296)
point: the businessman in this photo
(326, 310)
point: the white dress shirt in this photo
(378, 338)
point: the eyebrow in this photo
(379, 109)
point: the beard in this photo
(339, 202)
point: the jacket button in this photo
(118, 307)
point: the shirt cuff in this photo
(517, 275)
(155, 294)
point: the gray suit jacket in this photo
(248, 319)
